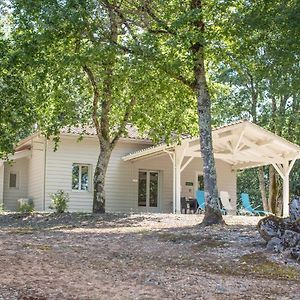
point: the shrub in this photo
(60, 201)
(26, 207)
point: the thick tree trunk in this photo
(272, 190)
(279, 197)
(212, 211)
(99, 178)
(262, 188)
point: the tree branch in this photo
(159, 21)
(96, 98)
(124, 122)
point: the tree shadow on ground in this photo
(38, 221)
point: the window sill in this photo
(81, 191)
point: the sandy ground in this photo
(79, 256)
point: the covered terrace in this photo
(242, 145)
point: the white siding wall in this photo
(122, 177)
(11, 195)
(164, 165)
(118, 178)
(226, 178)
(36, 173)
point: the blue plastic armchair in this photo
(248, 207)
(200, 200)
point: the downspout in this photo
(44, 183)
(172, 157)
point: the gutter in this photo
(44, 183)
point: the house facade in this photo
(140, 177)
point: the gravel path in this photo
(81, 256)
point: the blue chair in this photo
(248, 207)
(200, 200)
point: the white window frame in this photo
(17, 180)
(79, 177)
(159, 184)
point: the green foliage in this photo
(26, 207)
(55, 40)
(247, 182)
(16, 109)
(60, 201)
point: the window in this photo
(148, 192)
(80, 177)
(13, 180)
(200, 182)
(142, 199)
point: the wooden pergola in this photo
(242, 145)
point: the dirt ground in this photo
(80, 256)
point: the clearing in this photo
(157, 256)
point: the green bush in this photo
(60, 201)
(26, 207)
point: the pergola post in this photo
(177, 184)
(284, 171)
(172, 157)
(179, 154)
(286, 195)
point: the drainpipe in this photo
(172, 157)
(44, 183)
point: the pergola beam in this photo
(187, 163)
(284, 172)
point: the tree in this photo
(175, 32)
(261, 75)
(72, 54)
(16, 111)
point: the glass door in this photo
(148, 191)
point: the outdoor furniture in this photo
(247, 207)
(184, 204)
(225, 200)
(192, 205)
(200, 200)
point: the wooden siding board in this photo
(226, 178)
(121, 178)
(11, 195)
(118, 182)
(36, 173)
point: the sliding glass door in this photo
(148, 190)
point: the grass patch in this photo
(144, 231)
(43, 247)
(262, 266)
(22, 230)
(254, 264)
(209, 243)
(178, 238)
(203, 242)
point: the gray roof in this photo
(132, 132)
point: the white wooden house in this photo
(141, 176)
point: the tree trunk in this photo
(261, 177)
(262, 188)
(212, 211)
(272, 190)
(99, 178)
(279, 196)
